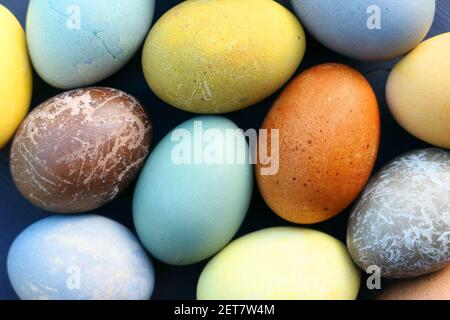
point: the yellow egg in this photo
(418, 91)
(281, 263)
(219, 56)
(15, 76)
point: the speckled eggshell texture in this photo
(402, 221)
(220, 56)
(367, 29)
(281, 263)
(435, 286)
(75, 43)
(186, 208)
(80, 149)
(418, 91)
(79, 258)
(15, 76)
(329, 131)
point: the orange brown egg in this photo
(435, 286)
(329, 131)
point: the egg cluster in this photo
(82, 148)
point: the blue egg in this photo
(367, 29)
(79, 258)
(194, 191)
(75, 43)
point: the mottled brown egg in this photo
(80, 149)
(435, 286)
(329, 131)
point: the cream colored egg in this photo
(15, 76)
(281, 263)
(418, 91)
(220, 56)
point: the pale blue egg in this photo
(367, 29)
(194, 191)
(84, 257)
(76, 43)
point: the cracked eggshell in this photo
(418, 91)
(435, 286)
(329, 131)
(75, 43)
(281, 263)
(79, 258)
(220, 56)
(402, 221)
(80, 149)
(15, 76)
(351, 27)
(190, 201)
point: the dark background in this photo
(180, 282)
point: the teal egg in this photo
(194, 191)
(76, 43)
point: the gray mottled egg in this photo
(402, 221)
(80, 149)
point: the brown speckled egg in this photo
(80, 149)
(329, 131)
(435, 286)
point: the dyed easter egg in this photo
(15, 76)
(401, 224)
(80, 149)
(328, 128)
(79, 258)
(435, 286)
(75, 43)
(418, 91)
(194, 191)
(281, 263)
(222, 55)
(367, 29)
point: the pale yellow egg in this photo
(281, 263)
(418, 91)
(219, 56)
(15, 76)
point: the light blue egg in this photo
(79, 258)
(367, 29)
(75, 43)
(189, 203)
